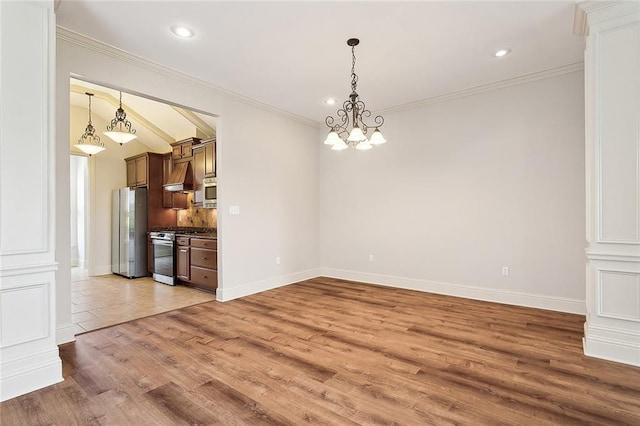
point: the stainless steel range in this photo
(164, 269)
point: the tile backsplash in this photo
(198, 217)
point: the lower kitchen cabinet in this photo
(150, 257)
(197, 262)
(183, 262)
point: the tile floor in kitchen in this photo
(107, 300)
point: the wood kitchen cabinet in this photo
(204, 165)
(149, 256)
(209, 157)
(181, 150)
(197, 262)
(198, 175)
(138, 170)
(146, 170)
(204, 263)
(183, 258)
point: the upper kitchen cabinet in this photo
(182, 150)
(138, 170)
(204, 165)
(147, 170)
(209, 157)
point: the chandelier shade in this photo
(351, 118)
(120, 129)
(89, 142)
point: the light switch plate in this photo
(234, 209)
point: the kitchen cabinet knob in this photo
(204, 258)
(204, 276)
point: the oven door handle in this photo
(162, 243)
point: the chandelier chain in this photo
(90, 109)
(354, 77)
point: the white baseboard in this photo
(100, 270)
(79, 263)
(225, 294)
(24, 375)
(574, 306)
(611, 344)
(65, 333)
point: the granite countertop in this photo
(183, 229)
(209, 235)
(188, 231)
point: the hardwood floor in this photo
(106, 300)
(333, 352)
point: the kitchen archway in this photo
(100, 298)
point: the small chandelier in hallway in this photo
(89, 142)
(120, 128)
(352, 113)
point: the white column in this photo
(612, 95)
(29, 358)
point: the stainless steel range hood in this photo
(181, 178)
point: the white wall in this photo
(462, 188)
(267, 166)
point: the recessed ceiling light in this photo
(182, 31)
(502, 52)
(330, 101)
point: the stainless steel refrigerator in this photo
(129, 232)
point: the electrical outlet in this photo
(234, 210)
(278, 260)
(505, 271)
(370, 258)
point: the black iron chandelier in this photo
(89, 142)
(353, 112)
(120, 128)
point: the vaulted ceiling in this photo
(157, 124)
(293, 55)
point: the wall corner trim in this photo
(227, 294)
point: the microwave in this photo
(210, 185)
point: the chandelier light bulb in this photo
(89, 148)
(377, 138)
(364, 145)
(332, 138)
(340, 145)
(356, 135)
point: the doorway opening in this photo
(98, 297)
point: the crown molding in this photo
(124, 56)
(527, 78)
(580, 26)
